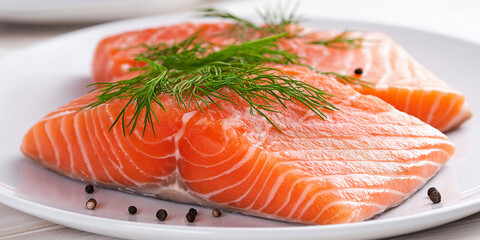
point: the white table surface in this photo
(458, 18)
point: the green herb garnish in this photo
(195, 74)
(341, 41)
(345, 79)
(277, 21)
(274, 22)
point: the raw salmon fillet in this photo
(399, 79)
(363, 159)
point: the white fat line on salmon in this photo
(140, 138)
(339, 181)
(274, 190)
(352, 97)
(398, 96)
(248, 156)
(325, 153)
(289, 195)
(179, 179)
(376, 124)
(257, 139)
(210, 155)
(353, 217)
(354, 164)
(50, 139)
(363, 176)
(367, 53)
(175, 192)
(349, 63)
(185, 119)
(59, 114)
(355, 213)
(370, 134)
(97, 146)
(37, 146)
(211, 194)
(403, 68)
(69, 147)
(324, 55)
(118, 163)
(82, 147)
(419, 105)
(385, 50)
(308, 114)
(447, 112)
(126, 142)
(435, 106)
(420, 72)
(206, 155)
(459, 117)
(367, 144)
(122, 144)
(165, 139)
(263, 188)
(254, 182)
(300, 200)
(336, 203)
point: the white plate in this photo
(37, 80)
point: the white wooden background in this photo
(460, 18)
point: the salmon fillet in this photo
(363, 159)
(399, 79)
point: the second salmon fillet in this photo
(399, 79)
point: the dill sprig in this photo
(274, 22)
(345, 79)
(194, 74)
(278, 21)
(242, 28)
(342, 41)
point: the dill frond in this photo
(195, 75)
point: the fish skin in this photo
(363, 159)
(399, 79)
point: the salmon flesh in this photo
(362, 159)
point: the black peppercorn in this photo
(358, 71)
(132, 210)
(91, 203)
(161, 214)
(89, 188)
(434, 195)
(216, 212)
(190, 217)
(193, 211)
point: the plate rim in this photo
(90, 223)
